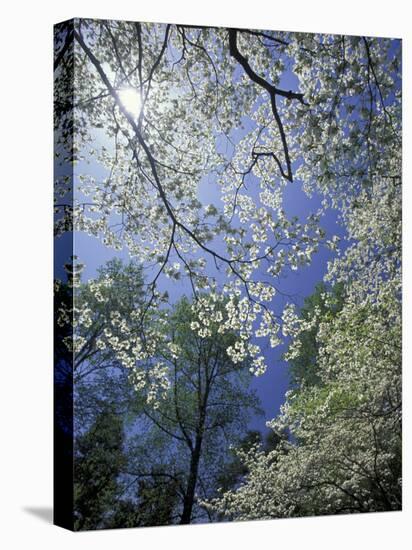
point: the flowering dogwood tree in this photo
(162, 116)
(163, 113)
(345, 454)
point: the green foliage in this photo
(153, 504)
(234, 469)
(183, 438)
(98, 461)
(205, 410)
(117, 292)
(303, 367)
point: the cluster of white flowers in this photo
(294, 325)
(97, 288)
(231, 314)
(74, 343)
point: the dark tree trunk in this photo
(191, 483)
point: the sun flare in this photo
(131, 100)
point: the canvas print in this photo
(227, 274)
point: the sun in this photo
(131, 101)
